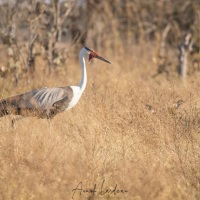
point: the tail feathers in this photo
(3, 108)
(17, 106)
(7, 107)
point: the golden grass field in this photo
(111, 137)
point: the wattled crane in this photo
(48, 102)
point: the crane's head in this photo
(93, 54)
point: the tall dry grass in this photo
(125, 130)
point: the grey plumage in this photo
(42, 103)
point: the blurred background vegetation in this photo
(55, 30)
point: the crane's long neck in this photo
(83, 81)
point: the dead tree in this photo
(9, 17)
(31, 58)
(55, 35)
(33, 34)
(185, 48)
(162, 57)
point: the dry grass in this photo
(110, 135)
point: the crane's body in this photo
(48, 102)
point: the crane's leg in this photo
(49, 115)
(49, 119)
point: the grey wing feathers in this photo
(45, 98)
(42, 101)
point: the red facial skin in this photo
(92, 55)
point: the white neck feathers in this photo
(83, 81)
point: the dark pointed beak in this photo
(103, 59)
